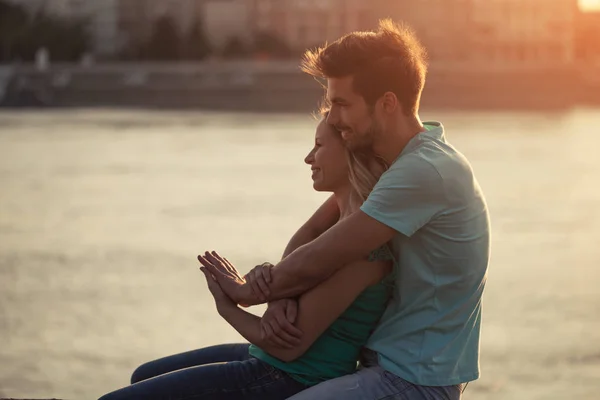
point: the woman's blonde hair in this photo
(365, 168)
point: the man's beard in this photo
(365, 141)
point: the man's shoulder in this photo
(434, 165)
(441, 156)
(432, 155)
(411, 166)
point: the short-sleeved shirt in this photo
(429, 334)
(335, 353)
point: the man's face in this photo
(351, 115)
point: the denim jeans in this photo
(372, 382)
(218, 372)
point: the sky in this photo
(589, 4)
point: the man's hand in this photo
(276, 325)
(259, 278)
(229, 279)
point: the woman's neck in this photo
(345, 201)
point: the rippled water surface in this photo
(102, 213)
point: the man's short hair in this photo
(389, 59)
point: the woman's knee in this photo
(141, 373)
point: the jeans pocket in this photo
(279, 375)
(396, 382)
(266, 368)
(272, 381)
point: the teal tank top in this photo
(336, 351)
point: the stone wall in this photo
(282, 87)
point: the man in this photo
(428, 205)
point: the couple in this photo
(389, 271)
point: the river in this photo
(102, 213)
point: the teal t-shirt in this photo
(429, 334)
(335, 353)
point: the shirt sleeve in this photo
(407, 196)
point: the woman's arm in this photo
(318, 308)
(324, 218)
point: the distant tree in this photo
(133, 51)
(164, 43)
(196, 43)
(65, 39)
(13, 19)
(22, 34)
(234, 48)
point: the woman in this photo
(336, 317)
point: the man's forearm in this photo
(304, 235)
(292, 276)
(300, 271)
(349, 240)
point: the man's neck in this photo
(392, 143)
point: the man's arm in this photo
(349, 240)
(324, 218)
(318, 309)
(406, 198)
(409, 195)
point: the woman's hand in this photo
(221, 299)
(277, 323)
(229, 279)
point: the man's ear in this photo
(389, 103)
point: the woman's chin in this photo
(318, 187)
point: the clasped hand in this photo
(228, 287)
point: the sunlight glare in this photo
(589, 5)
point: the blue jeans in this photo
(372, 382)
(218, 372)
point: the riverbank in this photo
(280, 86)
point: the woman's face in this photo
(328, 160)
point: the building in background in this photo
(524, 31)
(52, 6)
(307, 23)
(227, 20)
(443, 26)
(587, 37)
(501, 32)
(101, 15)
(103, 19)
(136, 18)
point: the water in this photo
(103, 212)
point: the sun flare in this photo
(587, 5)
